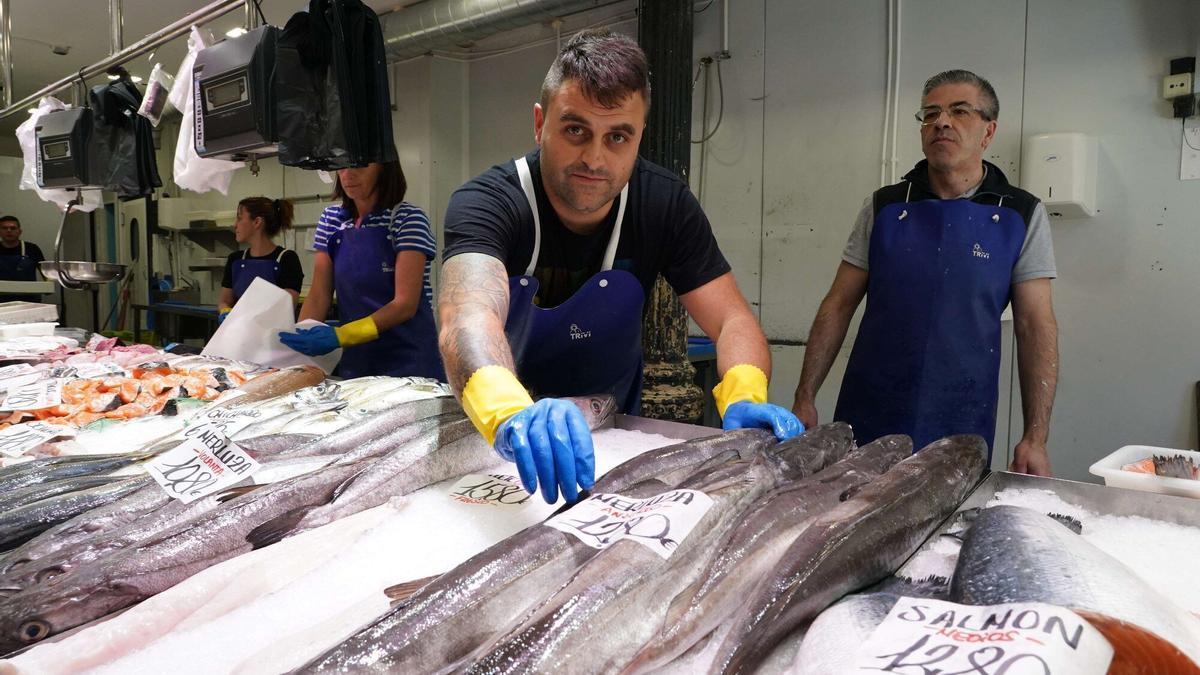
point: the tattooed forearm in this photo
(472, 307)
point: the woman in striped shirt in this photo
(374, 250)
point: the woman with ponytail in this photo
(259, 219)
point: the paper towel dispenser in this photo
(234, 104)
(1061, 170)
(64, 139)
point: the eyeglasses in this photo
(958, 113)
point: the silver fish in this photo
(451, 616)
(377, 426)
(39, 491)
(855, 544)
(1013, 554)
(135, 573)
(274, 444)
(750, 552)
(57, 468)
(21, 524)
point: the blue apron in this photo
(592, 342)
(246, 270)
(18, 268)
(364, 277)
(927, 358)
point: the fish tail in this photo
(401, 592)
(277, 529)
(1071, 523)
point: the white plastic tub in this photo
(1110, 470)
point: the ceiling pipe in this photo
(211, 11)
(116, 19)
(439, 24)
(6, 50)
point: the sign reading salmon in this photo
(206, 462)
(921, 636)
(660, 522)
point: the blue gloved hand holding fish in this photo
(741, 399)
(549, 441)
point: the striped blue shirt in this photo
(408, 230)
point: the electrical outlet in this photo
(1177, 85)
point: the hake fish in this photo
(751, 551)
(19, 525)
(453, 615)
(855, 544)
(1013, 554)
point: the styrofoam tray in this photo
(16, 330)
(1110, 470)
(27, 312)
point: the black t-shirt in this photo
(665, 232)
(31, 250)
(291, 274)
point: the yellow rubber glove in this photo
(357, 332)
(492, 395)
(743, 382)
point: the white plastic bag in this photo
(27, 137)
(193, 172)
(158, 89)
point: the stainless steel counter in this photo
(683, 432)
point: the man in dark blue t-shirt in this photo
(548, 261)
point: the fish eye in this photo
(596, 406)
(34, 630)
(48, 573)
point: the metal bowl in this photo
(82, 272)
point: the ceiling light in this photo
(135, 78)
(113, 77)
(32, 110)
(235, 32)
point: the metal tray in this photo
(679, 430)
(82, 272)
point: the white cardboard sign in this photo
(660, 522)
(34, 396)
(492, 489)
(206, 462)
(20, 438)
(922, 635)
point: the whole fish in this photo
(21, 524)
(455, 449)
(813, 450)
(559, 635)
(39, 491)
(274, 444)
(272, 384)
(750, 552)
(854, 544)
(832, 642)
(377, 426)
(48, 469)
(453, 615)
(135, 573)
(1013, 554)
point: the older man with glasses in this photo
(938, 257)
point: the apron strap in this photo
(245, 254)
(610, 253)
(279, 258)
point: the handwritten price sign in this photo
(20, 438)
(35, 396)
(206, 462)
(922, 636)
(659, 522)
(494, 490)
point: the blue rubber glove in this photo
(313, 341)
(747, 415)
(552, 447)
(221, 317)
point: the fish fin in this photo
(1177, 466)
(276, 529)
(401, 592)
(583, 494)
(234, 492)
(680, 604)
(1070, 522)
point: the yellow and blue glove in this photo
(549, 441)
(223, 312)
(741, 400)
(323, 339)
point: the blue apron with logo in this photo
(927, 358)
(245, 271)
(18, 268)
(364, 277)
(592, 342)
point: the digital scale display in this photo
(56, 150)
(227, 93)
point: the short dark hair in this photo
(608, 67)
(991, 104)
(276, 213)
(390, 188)
(12, 218)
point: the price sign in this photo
(493, 490)
(659, 522)
(21, 438)
(206, 462)
(921, 635)
(34, 396)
